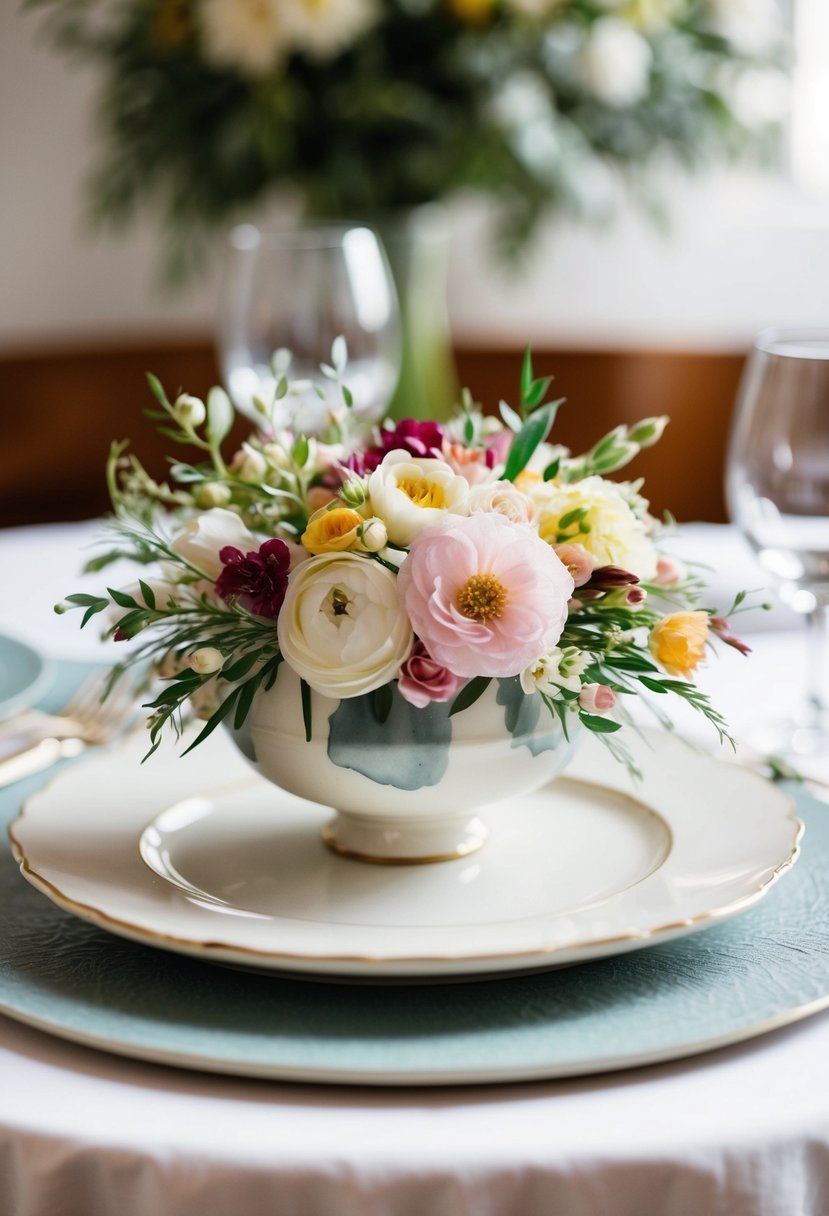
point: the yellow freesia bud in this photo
(332, 531)
(677, 642)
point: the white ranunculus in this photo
(206, 660)
(613, 534)
(249, 35)
(323, 28)
(561, 668)
(503, 498)
(615, 63)
(341, 626)
(205, 534)
(410, 492)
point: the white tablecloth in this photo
(739, 1132)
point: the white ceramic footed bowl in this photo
(408, 789)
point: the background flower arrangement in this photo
(372, 107)
(413, 559)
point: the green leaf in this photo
(121, 598)
(348, 396)
(211, 724)
(510, 417)
(629, 662)
(469, 694)
(238, 669)
(219, 415)
(381, 702)
(246, 695)
(299, 451)
(532, 433)
(526, 374)
(148, 593)
(85, 600)
(538, 391)
(571, 517)
(653, 685)
(599, 726)
(156, 388)
(92, 610)
(305, 692)
(552, 469)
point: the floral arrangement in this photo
(413, 558)
(371, 107)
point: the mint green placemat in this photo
(749, 975)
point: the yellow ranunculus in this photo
(331, 531)
(677, 642)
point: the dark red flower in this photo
(257, 581)
(408, 435)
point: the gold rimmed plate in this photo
(198, 856)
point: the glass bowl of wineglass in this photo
(777, 488)
(297, 290)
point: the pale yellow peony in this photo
(609, 530)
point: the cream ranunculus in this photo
(503, 498)
(205, 534)
(323, 28)
(410, 492)
(608, 528)
(341, 627)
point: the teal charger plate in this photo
(762, 970)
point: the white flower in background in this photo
(561, 668)
(323, 28)
(608, 529)
(503, 498)
(212, 494)
(248, 35)
(189, 411)
(341, 626)
(751, 26)
(410, 492)
(615, 63)
(205, 534)
(759, 96)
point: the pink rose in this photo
(597, 698)
(422, 680)
(669, 571)
(486, 596)
(475, 464)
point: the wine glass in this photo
(297, 290)
(778, 495)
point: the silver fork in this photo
(34, 740)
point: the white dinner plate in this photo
(197, 855)
(24, 675)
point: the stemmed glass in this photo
(778, 495)
(298, 290)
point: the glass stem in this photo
(816, 649)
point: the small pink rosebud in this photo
(120, 636)
(722, 630)
(605, 578)
(636, 596)
(597, 698)
(577, 560)
(669, 571)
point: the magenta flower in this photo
(408, 435)
(422, 680)
(486, 596)
(257, 581)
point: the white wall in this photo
(742, 254)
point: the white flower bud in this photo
(212, 494)
(277, 456)
(189, 411)
(249, 464)
(206, 660)
(373, 535)
(648, 431)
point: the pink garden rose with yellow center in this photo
(485, 596)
